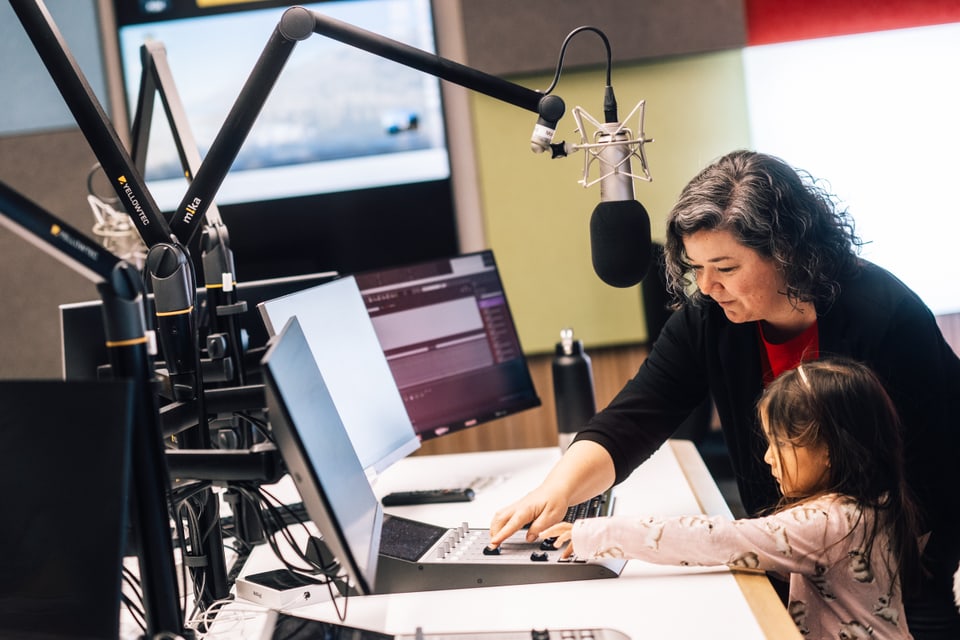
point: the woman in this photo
(765, 271)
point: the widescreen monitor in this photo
(83, 339)
(341, 132)
(348, 354)
(447, 331)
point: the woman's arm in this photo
(584, 471)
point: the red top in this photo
(779, 357)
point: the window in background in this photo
(874, 114)
(31, 101)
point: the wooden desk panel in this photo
(612, 367)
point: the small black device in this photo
(281, 589)
(427, 496)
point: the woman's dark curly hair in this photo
(774, 209)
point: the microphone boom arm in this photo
(299, 23)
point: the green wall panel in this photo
(536, 215)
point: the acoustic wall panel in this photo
(507, 37)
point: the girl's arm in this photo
(792, 541)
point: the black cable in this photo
(111, 200)
(190, 490)
(184, 554)
(265, 507)
(135, 607)
(273, 523)
(135, 612)
(262, 426)
(563, 49)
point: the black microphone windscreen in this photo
(620, 242)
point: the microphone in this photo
(620, 243)
(173, 295)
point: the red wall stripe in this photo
(771, 21)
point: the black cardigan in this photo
(876, 319)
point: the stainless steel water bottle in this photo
(572, 387)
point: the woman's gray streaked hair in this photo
(776, 210)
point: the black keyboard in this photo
(596, 507)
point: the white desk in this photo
(646, 601)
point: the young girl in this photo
(845, 530)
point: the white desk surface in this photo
(646, 601)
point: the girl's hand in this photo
(562, 534)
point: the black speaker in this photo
(65, 473)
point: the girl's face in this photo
(800, 471)
(747, 286)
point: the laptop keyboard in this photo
(596, 507)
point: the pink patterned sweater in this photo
(835, 591)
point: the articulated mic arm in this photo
(167, 261)
(219, 273)
(298, 23)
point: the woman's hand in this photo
(584, 471)
(539, 509)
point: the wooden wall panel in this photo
(612, 367)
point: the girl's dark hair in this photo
(841, 403)
(780, 212)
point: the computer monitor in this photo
(83, 341)
(344, 343)
(448, 334)
(321, 458)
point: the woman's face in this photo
(747, 286)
